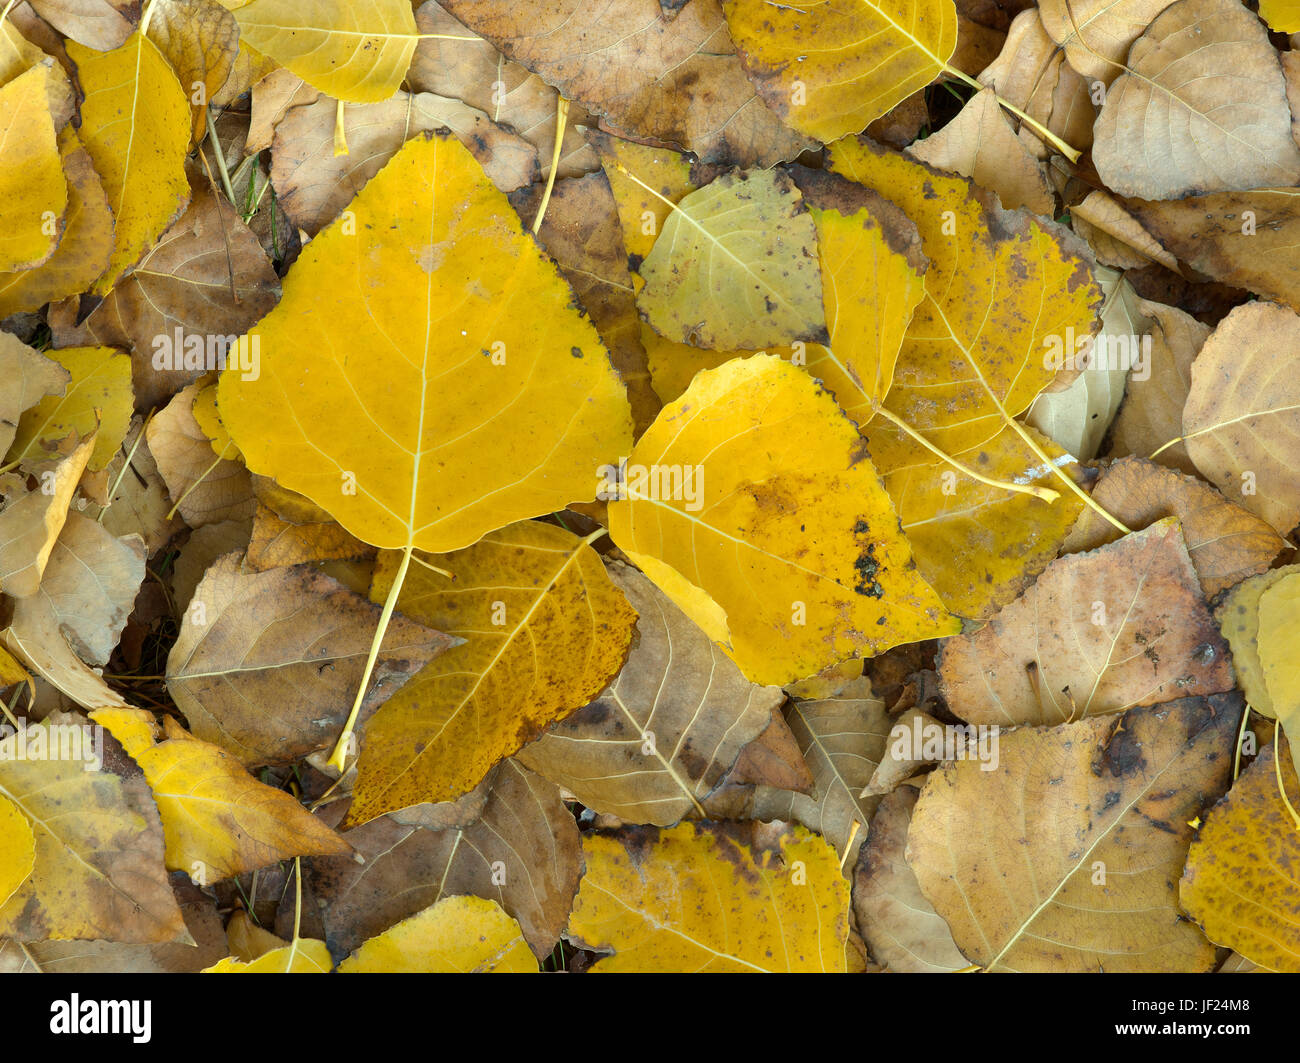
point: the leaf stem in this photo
(338, 759)
(1045, 493)
(220, 156)
(561, 120)
(1046, 134)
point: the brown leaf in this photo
(200, 38)
(522, 851)
(1225, 542)
(1097, 34)
(1100, 632)
(1115, 235)
(663, 75)
(275, 542)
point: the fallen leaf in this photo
(30, 524)
(353, 51)
(33, 190)
(135, 123)
(218, 821)
(275, 542)
(29, 376)
(266, 663)
(200, 38)
(1065, 857)
(1238, 616)
(206, 487)
(543, 629)
(99, 24)
(899, 926)
(789, 587)
(1242, 418)
(458, 935)
(661, 74)
(1117, 237)
(1201, 107)
(522, 850)
(301, 956)
(654, 897)
(1097, 34)
(831, 69)
(1241, 883)
(1279, 617)
(363, 352)
(17, 849)
(1102, 632)
(1226, 544)
(661, 737)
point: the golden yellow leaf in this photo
(218, 821)
(17, 849)
(979, 545)
(716, 897)
(544, 631)
(87, 243)
(135, 122)
(1281, 15)
(751, 502)
(458, 935)
(33, 190)
(301, 956)
(1007, 298)
(1065, 857)
(356, 50)
(97, 396)
(490, 399)
(832, 68)
(1242, 880)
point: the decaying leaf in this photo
(665, 732)
(1101, 632)
(1066, 856)
(656, 899)
(458, 935)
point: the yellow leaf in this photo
(33, 190)
(487, 397)
(87, 243)
(218, 821)
(17, 849)
(715, 897)
(200, 39)
(135, 122)
(458, 935)
(30, 524)
(1004, 295)
(1238, 616)
(1242, 880)
(301, 956)
(544, 631)
(355, 50)
(755, 490)
(98, 396)
(830, 69)
(1279, 626)
(1282, 16)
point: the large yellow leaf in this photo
(458, 935)
(1066, 856)
(1005, 292)
(544, 631)
(1279, 623)
(218, 821)
(135, 122)
(714, 897)
(830, 69)
(355, 50)
(300, 956)
(33, 190)
(1238, 616)
(1242, 880)
(439, 330)
(98, 395)
(752, 504)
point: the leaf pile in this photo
(700, 486)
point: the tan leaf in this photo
(1097, 34)
(1201, 108)
(29, 376)
(1242, 418)
(661, 737)
(407, 866)
(30, 524)
(1117, 236)
(1100, 632)
(899, 926)
(1067, 855)
(98, 24)
(1225, 542)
